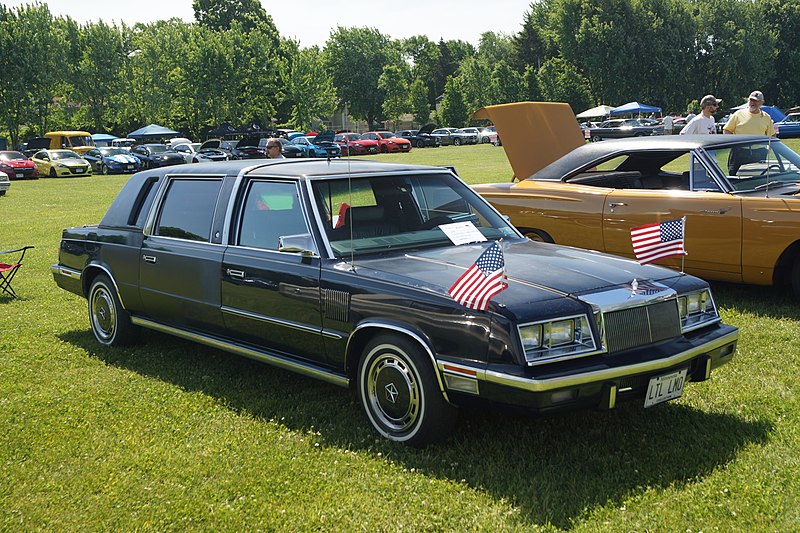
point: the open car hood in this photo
(427, 128)
(211, 143)
(37, 143)
(324, 137)
(534, 134)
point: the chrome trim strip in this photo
(393, 327)
(263, 356)
(280, 322)
(65, 271)
(543, 385)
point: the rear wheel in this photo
(537, 235)
(104, 169)
(485, 140)
(111, 323)
(596, 138)
(420, 144)
(400, 394)
(53, 173)
(457, 142)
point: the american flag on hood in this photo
(658, 240)
(482, 281)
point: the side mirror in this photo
(301, 243)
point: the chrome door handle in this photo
(235, 273)
(612, 205)
(149, 258)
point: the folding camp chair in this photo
(8, 271)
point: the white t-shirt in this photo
(700, 124)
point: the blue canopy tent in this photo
(634, 108)
(103, 139)
(152, 131)
(776, 114)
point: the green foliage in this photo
(419, 101)
(310, 89)
(221, 15)
(454, 113)
(355, 58)
(560, 81)
(394, 81)
(506, 84)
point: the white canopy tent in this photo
(599, 111)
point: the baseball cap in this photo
(709, 99)
(756, 95)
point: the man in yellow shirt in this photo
(751, 120)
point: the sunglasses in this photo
(274, 146)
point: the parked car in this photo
(488, 135)
(156, 155)
(788, 127)
(236, 149)
(318, 145)
(288, 149)
(193, 153)
(123, 142)
(352, 144)
(342, 270)
(452, 136)
(388, 142)
(740, 196)
(420, 138)
(61, 163)
(109, 160)
(17, 166)
(470, 135)
(5, 183)
(618, 128)
(34, 145)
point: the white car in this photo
(5, 183)
(487, 135)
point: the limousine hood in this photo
(536, 271)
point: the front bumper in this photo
(596, 383)
(73, 171)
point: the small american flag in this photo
(658, 240)
(482, 281)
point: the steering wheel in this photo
(773, 166)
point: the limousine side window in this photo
(271, 210)
(188, 209)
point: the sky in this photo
(310, 23)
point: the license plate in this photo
(666, 387)
(128, 167)
(78, 170)
(20, 175)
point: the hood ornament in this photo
(634, 287)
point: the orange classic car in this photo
(739, 194)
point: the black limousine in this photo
(343, 270)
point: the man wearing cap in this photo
(751, 120)
(704, 122)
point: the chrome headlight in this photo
(563, 338)
(697, 309)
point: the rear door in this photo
(179, 268)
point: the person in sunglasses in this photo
(274, 147)
(704, 122)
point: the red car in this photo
(355, 144)
(388, 142)
(17, 166)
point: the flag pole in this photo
(685, 253)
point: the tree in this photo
(783, 18)
(530, 45)
(506, 85)
(419, 102)
(474, 74)
(355, 58)
(454, 111)
(561, 82)
(425, 57)
(220, 15)
(394, 84)
(310, 89)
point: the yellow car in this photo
(61, 163)
(739, 194)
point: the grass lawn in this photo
(172, 436)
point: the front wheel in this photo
(796, 276)
(111, 323)
(457, 142)
(400, 394)
(104, 169)
(420, 144)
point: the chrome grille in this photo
(639, 326)
(337, 305)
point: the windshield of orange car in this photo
(758, 165)
(401, 212)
